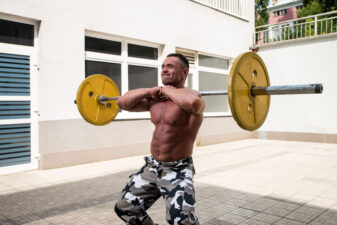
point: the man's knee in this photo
(132, 214)
(123, 207)
(118, 210)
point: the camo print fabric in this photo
(172, 180)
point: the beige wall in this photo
(69, 142)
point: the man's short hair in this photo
(182, 58)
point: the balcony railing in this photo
(233, 7)
(311, 26)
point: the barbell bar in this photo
(248, 94)
(268, 90)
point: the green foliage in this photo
(261, 13)
(312, 7)
(327, 5)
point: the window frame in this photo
(195, 68)
(212, 70)
(125, 61)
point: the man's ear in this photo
(186, 71)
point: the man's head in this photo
(174, 70)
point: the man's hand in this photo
(154, 93)
(189, 100)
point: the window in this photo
(283, 12)
(142, 77)
(213, 75)
(103, 46)
(299, 7)
(188, 81)
(280, 12)
(142, 52)
(129, 64)
(16, 33)
(208, 73)
(213, 62)
(112, 70)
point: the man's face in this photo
(173, 72)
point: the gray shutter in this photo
(14, 75)
(14, 144)
(191, 56)
(15, 139)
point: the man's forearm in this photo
(133, 98)
(187, 99)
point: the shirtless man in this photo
(177, 114)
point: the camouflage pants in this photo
(172, 180)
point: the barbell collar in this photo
(103, 99)
(288, 89)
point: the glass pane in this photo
(213, 62)
(103, 46)
(188, 81)
(112, 70)
(16, 33)
(142, 52)
(142, 77)
(214, 81)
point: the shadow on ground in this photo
(91, 201)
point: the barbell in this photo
(248, 94)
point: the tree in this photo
(261, 13)
(312, 7)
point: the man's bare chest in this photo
(169, 113)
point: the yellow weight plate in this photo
(88, 92)
(248, 70)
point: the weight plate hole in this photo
(91, 93)
(250, 107)
(108, 105)
(254, 74)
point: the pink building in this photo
(282, 10)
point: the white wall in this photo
(302, 62)
(171, 23)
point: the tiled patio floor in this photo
(244, 182)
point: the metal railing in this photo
(234, 7)
(316, 25)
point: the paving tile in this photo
(288, 205)
(276, 211)
(231, 218)
(267, 218)
(311, 210)
(285, 221)
(301, 217)
(244, 212)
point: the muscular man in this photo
(177, 114)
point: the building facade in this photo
(283, 10)
(48, 47)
